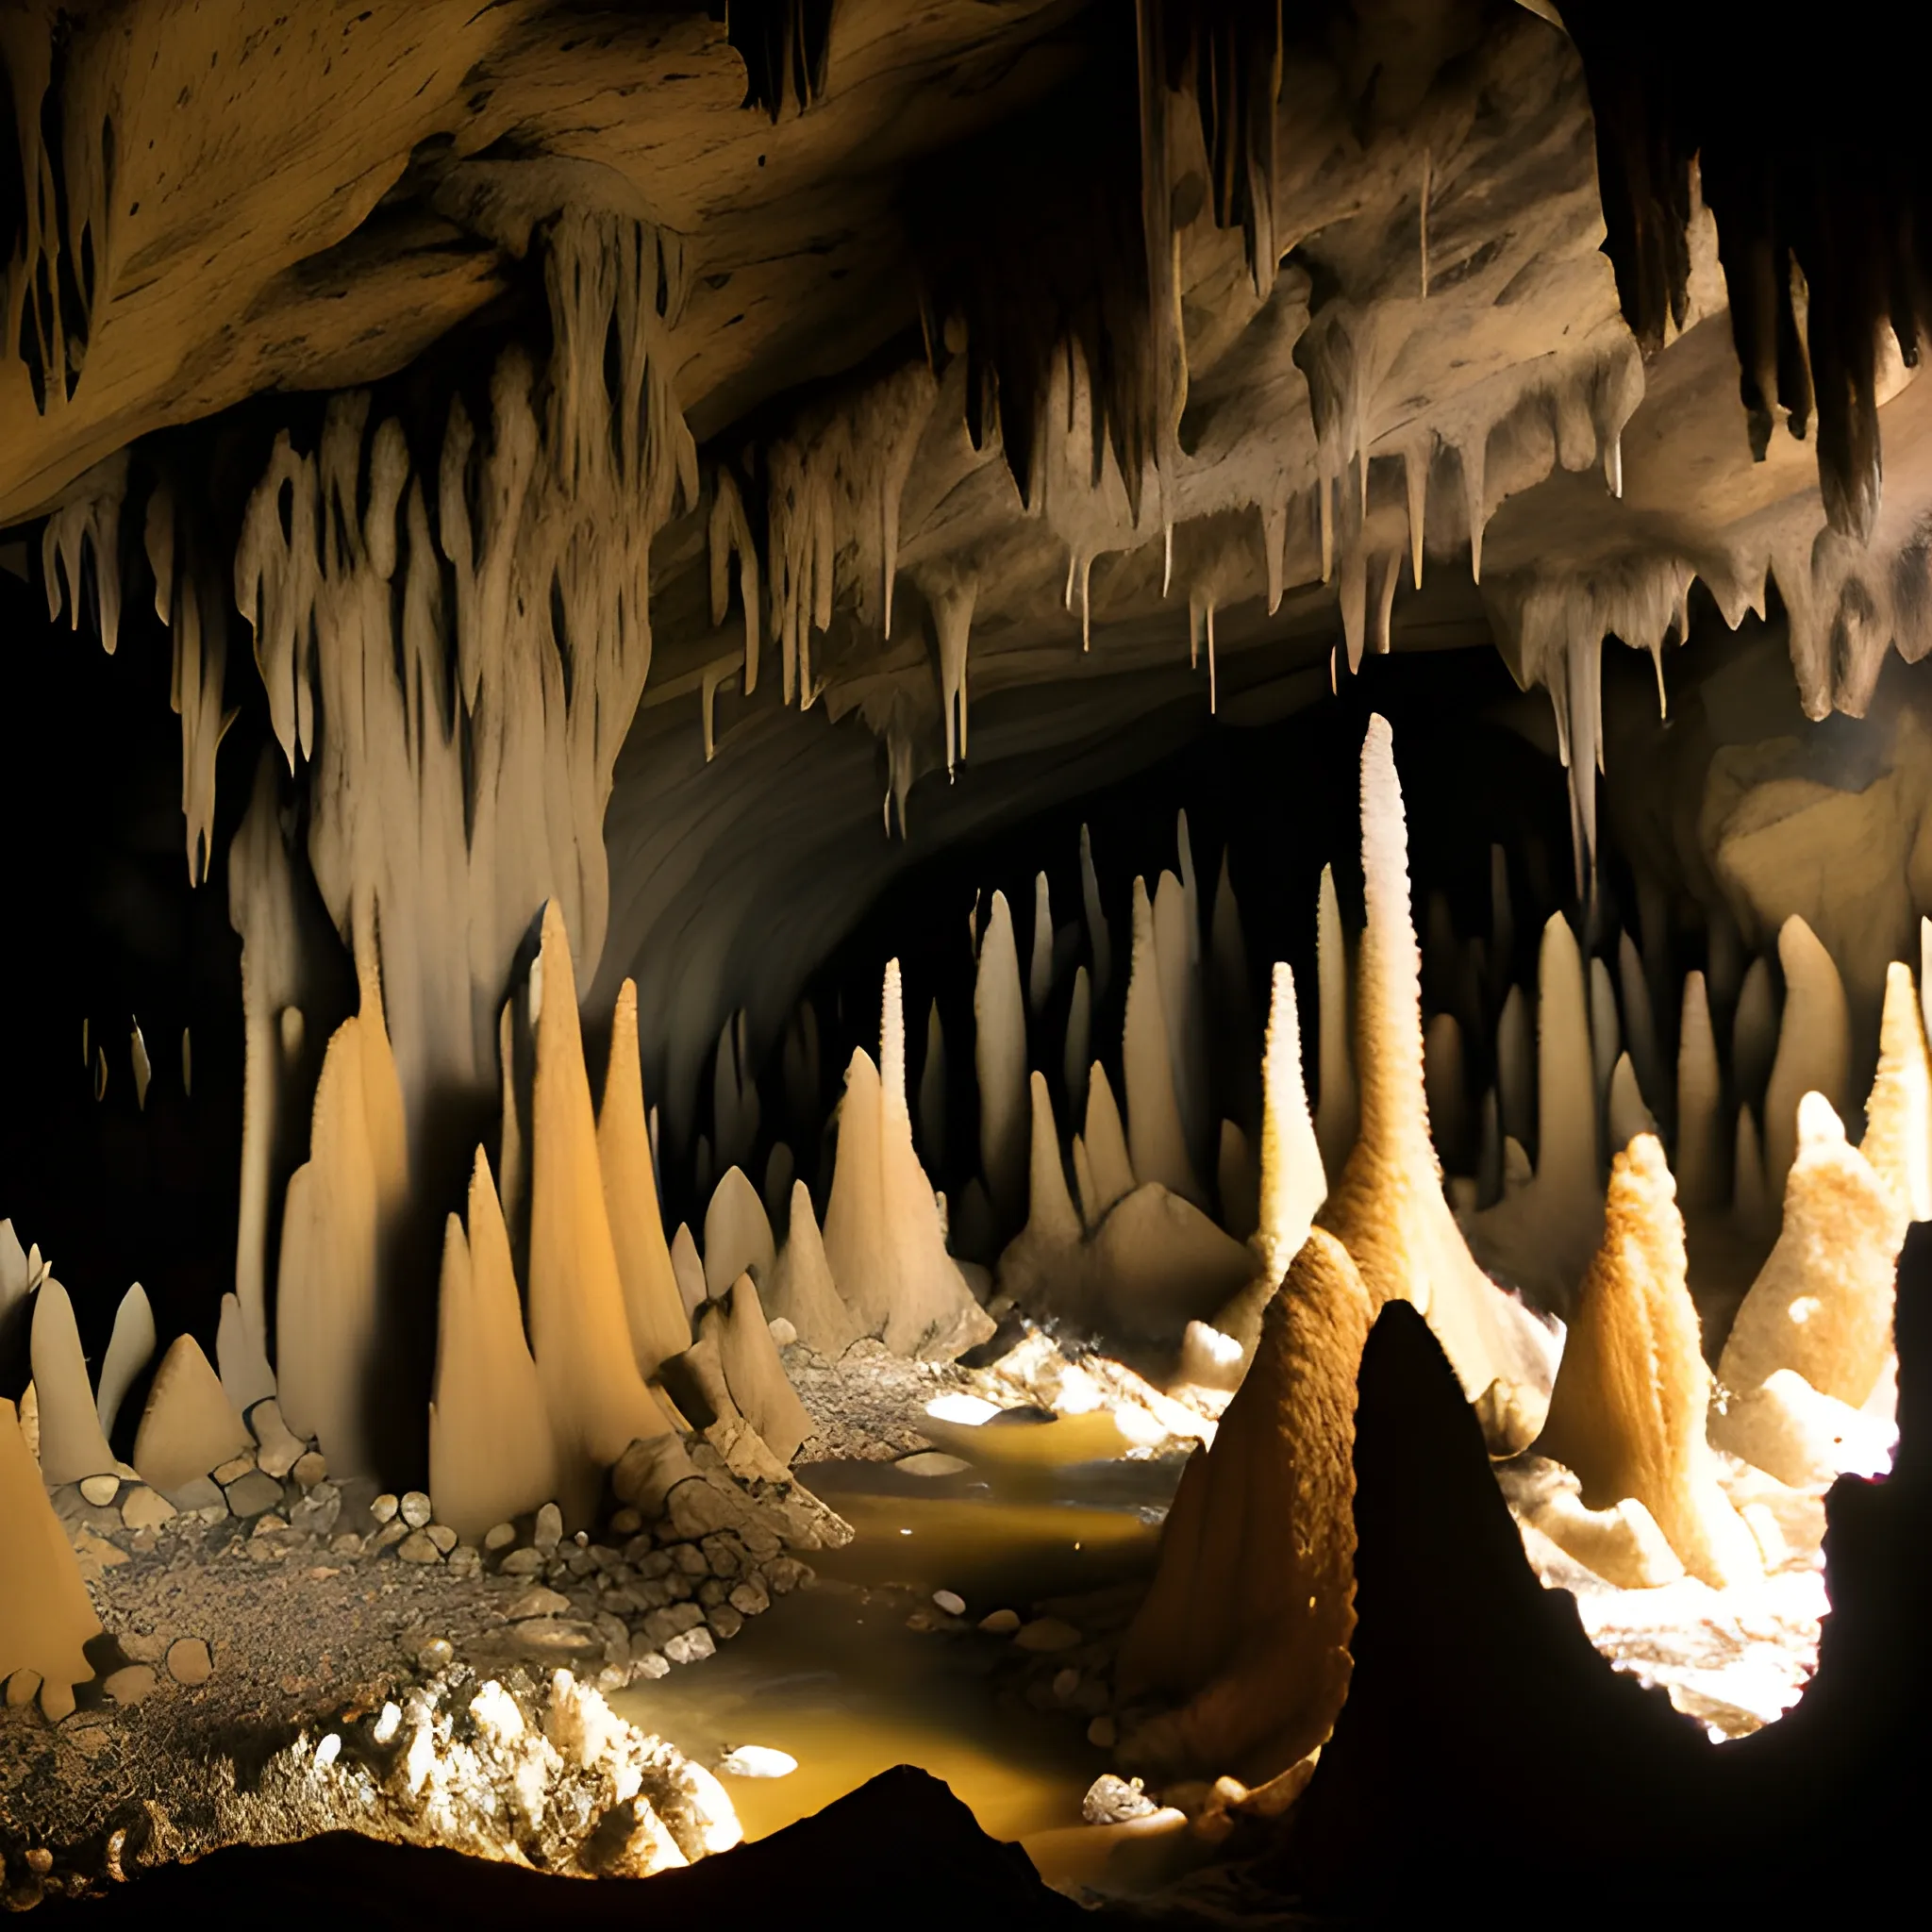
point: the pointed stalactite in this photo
(952, 614)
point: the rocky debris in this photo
(1113, 1800)
(757, 1760)
(190, 1660)
(415, 1509)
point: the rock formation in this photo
(753, 1371)
(45, 1617)
(71, 1444)
(130, 1347)
(737, 1237)
(188, 1426)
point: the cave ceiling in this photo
(1056, 372)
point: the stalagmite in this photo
(803, 1290)
(1099, 940)
(1515, 1070)
(1079, 1040)
(1386, 1207)
(239, 1358)
(72, 1445)
(1605, 1041)
(1238, 1182)
(596, 1400)
(1246, 1626)
(932, 1090)
(1039, 966)
(1177, 946)
(1754, 1034)
(1751, 1202)
(1627, 1413)
(1814, 1045)
(45, 1618)
(340, 1206)
(1702, 1181)
(1155, 1134)
(737, 1237)
(188, 1426)
(690, 1274)
(1108, 1159)
(1898, 1114)
(1293, 1183)
(1448, 1095)
(753, 1371)
(1235, 1045)
(654, 1312)
(143, 1067)
(1000, 1059)
(1050, 1215)
(780, 1169)
(1542, 1239)
(1639, 1027)
(492, 1455)
(1335, 1105)
(1626, 1114)
(130, 1347)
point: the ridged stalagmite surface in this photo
(491, 1452)
(598, 1402)
(71, 1444)
(803, 1292)
(1628, 1414)
(1898, 1114)
(44, 1613)
(658, 1324)
(1246, 1626)
(1388, 1207)
(188, 1426)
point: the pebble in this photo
(253, 1493)
(951, 1601)
(1046, 1634)
(647, 1663)
(1113, 1800)
(692, 1648)
(522, 1563)
(384, 1507)
(189, 1662)
(1103, 1733)
(1065, 1683)
(347, 1544)
(724, 1554)
(549, 1528)
(627, 1522)
(416, 1509)
(725, 1622)
(786, 1574)
(417, 1548)
(1001, 1622)
(310, 1468)
(388, 1723)
(749, 1598)
(143, 1509)
(234, 1470)
(539, 1602)
(436, 1655)
(783, 1333)
(465, 1561)
(757, 1760)
(267, 1524)
(559, 1634)
(100, 1490)
(388, 1537)
(500, 1538)
(931, 1462)
(130, 1684)
(690, 1559)
(442, 1536)
(712, 1591)
(329, 1751)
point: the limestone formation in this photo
(1335, 1115)
(72, 1445)
(1625, 1114)
(803, 1290)
(1245, 1633)
(1109, 1163)
(1156, 1137)
(239, 1357)
(45, 1616)
(753, 1371)
(492, 1453)
(188, 1426)
(737, 1237)
(1627, 1413)
(658, 1319)
(999, 1015)
(689, 1270)
(1814, 1047)
(596, 1400)
(130, 1347)
(1898, 1113)
(1702, 1181)
(1386, 1207)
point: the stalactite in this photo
(951, 609)
(728, 533)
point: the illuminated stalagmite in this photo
(1245, 1629)
(738, 1236)
(1336, 1118)
(71, 1444)
(803, 1290)
(493, 1454)
(753, 1371)
(1157, 1136)
(1814, 1045)
(1627, 1413)
(1898, 1113)
(659, 1326)
(1386, 1207)
(999, 1014)
(130, 1349)
(44, 1613)
(188, 1426)
(596, 1400)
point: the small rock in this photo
(347, 1544)
(725, 1622)
(416, 1510)
(931, 1462)
(100, 1490)
(501, 1536)
(316, 1514)
(22, 1688)
(712, 1591)
(558, 1635)
(388, 1723)
(436, 1655)
(1113, 1800)
(749, 1598)
(388, 1535)
(312, 1467)
(1103, 1733)
(1046, 1634)
(204, 1494)
(97, 1551)
(693, 1647)
(783, 1333)
(130, 1684)
(1065, 1683)
(1001, 1623)
(234, 1470)
(267, 1526)
(188, 1661)
(140, 1508)
(757, 1760)
(253, 1493)
(442, 1536)
(786, 1574)
(539, 1602)
(465, 1561)
(627, 1521)
(951, 1601)
(384, 1507)
(689, 1558)
(524, 1562)
(549, 1532)
(417, 1548)
(647, 1663)
(330, 1750)
(725, 1554)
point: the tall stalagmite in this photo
(1898, 1113)
(45, 1617)
(1157, 1135)
(596, 1400)
(1814, 1045)
(1337, 1119)
(188, 1426)
(803, 1292)
(71, 1444)
(999, 1013)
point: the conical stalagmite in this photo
(1515, 1070)
(1099, 942)
(45, 1618)
(1754, 1034)
(754, 1372)
(803, 1290)
(1079, 1044)
(596, 1400)
(130, 1348)
(239, 1358)
(1293, 1185)
(1246, 1626)
(1639, 1024)
(737, 1235)
(1627, 1413)
(1386, 1207)
(1000, 1058)
(689, 1271)
(1606, 1036)
(932, 1091)
(1335, 1106)
(1238, 1182)
(1898, 1114)
(71, 1444)
(1702, 1181)
(1751, 1204)
(1040, 960)
(1157, 1136)
(1105, 1140)
(1178, 946)
(659, 1326)
(1625, 1111)
(491, 1452)
(1814, 1045)
(1447, 1092)
(188, 1426)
